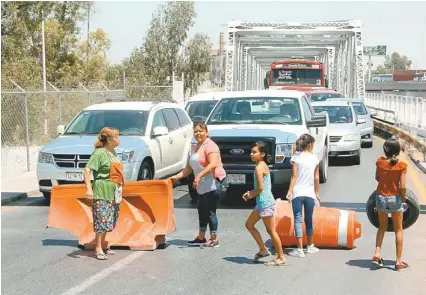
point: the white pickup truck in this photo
(277, 117)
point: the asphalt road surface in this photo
(40, 261)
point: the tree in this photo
(167, 32)
(93, 56)
(195, 61)
(21, 39)
(393, 63)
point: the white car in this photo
(277, 117)
(367, 129)
(154, 142)
(345, 136)
(199, 106)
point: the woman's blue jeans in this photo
(308, 204)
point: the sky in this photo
(399, 25)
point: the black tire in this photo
(192, 192)
(357, 158)
(46, 196)
(145, 172)
(323, 169)
(409, 217)
(367, 145)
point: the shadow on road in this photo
(240, 260)
(341, 162)
(56, 242)
(366, 264)
(81, 253)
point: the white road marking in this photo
(96, 278)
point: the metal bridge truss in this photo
(253, 46)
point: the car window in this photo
(324, 96)
(200, 108)
(359, 108)
(337, 114)
(126, 121)
(171, 118)
(159, 120)
(183, 117)
(307, 109)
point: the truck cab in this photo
(277, 117)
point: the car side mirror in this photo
(60, 129)
(317, 121)
(361, 121)
(159, 131)
(373, 113)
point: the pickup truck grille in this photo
(236, 150)
(335, 138)
(70, 161)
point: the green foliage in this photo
(393, 63)
(70, 60)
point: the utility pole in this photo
(43, 49)
(88, 32)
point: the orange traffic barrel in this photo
(333, 228)
(146, 215)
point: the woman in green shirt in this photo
(102, 192)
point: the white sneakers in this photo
(300, 253)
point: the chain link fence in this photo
(29, 119)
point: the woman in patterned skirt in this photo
(102, 192)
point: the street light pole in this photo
(43, 48)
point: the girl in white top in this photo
(304, 192)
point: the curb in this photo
(417, 163)
(19, 196)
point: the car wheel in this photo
(145, 172)
(410, 216)
(46, 196)
(357, 159)
(324, 166)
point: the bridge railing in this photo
(407, 110)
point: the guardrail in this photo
(408, 110)
(391, 86)
(387, 129)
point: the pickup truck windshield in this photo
(92, 122)
(336, 114)
(257, 110)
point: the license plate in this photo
(75, 176)
(333, 147)
(236, 178)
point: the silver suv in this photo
(154, 142)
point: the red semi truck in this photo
(410, 75)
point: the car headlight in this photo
(283, 150)
(126, 157)
(350, 137)
(45, 158)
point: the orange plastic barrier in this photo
(146, 214)
(333, 228)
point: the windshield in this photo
(359, 108)
(257, 110)
(296, 77)
(324, 96)
(200, 108)
(336, 114)
(92, 122)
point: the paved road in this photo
(39, 261)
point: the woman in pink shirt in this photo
(205, 162)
